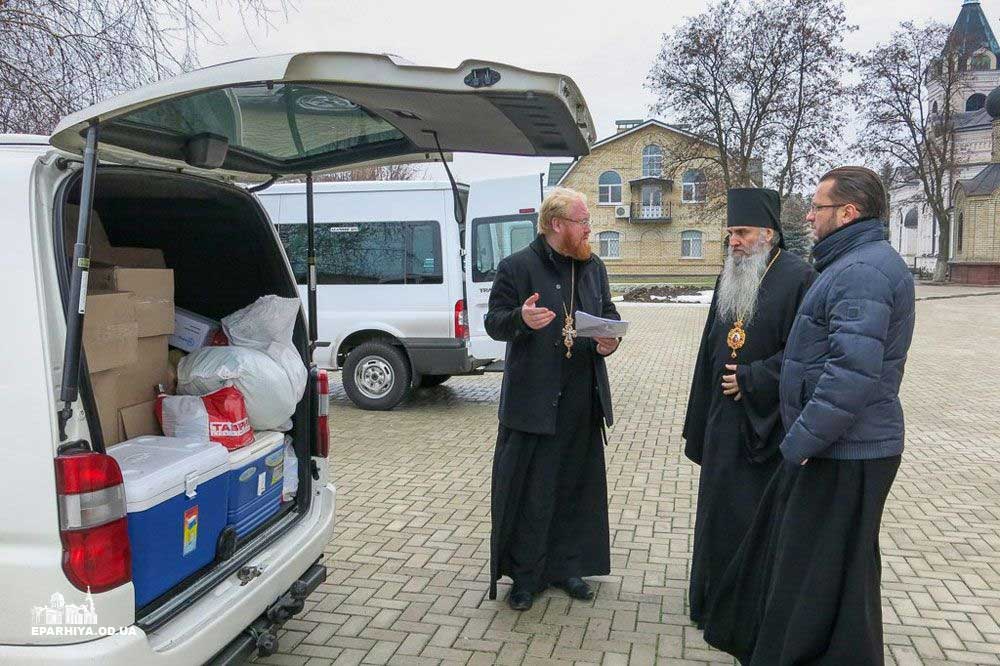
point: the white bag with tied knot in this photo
(261, 362)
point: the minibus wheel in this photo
(376, 376)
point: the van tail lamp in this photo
(461, 321)
(322, 449)
(93, 526)
(525, 211)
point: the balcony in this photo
(647, 213)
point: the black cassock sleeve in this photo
(696, 417)
(503, 318)
(759, 380)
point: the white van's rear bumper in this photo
(197, 634)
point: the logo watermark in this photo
(59, 618)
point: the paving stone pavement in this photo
(409, 559)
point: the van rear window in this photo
(368, 252)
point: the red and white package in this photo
(220, 416)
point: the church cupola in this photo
(972, 38)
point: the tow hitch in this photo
(261, 637)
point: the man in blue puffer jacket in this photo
(805, 584)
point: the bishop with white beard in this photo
(733, 428)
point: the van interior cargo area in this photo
(223, 254)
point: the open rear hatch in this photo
(312, 112)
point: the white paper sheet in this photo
(589, 326)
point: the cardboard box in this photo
(192, 331)
(138, 257)
(154, 294)
(110, 330)
(137, 381)
(138, 420)
(105, 387)
(102, 251)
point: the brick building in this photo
(653, 208)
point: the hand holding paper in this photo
(589, 326)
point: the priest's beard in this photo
(564, 246)
(739, 286)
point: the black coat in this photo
(532, 364)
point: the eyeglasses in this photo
(585, 222)
(813, 208)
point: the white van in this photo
(152, 173)
(397, 306)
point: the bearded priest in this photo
(549, 493)
(733, 427)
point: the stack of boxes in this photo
(130, 317)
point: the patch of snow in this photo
(703, 297)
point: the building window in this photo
(934, 107)
(911, 220)
(695, 186)
(958, 234)
(975, 102)
(609, 245)
(652, 161)
(691, 245)
(609, 188)
(981, 62)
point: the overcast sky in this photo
(606, 47)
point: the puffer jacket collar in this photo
(845, 239)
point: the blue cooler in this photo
(175, 492)
(256, 475)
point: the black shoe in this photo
(520, 600)
(576, 588)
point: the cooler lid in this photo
(157, 468)
(263, 442)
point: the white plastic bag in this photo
(291, 479)
(184, 416)
(269, 396)
(267, 325)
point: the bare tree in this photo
(57, 56)
(387, 172)
(907, 99)
(761, 81)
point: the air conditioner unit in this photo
(621, 212)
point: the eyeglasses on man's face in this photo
(815, 207)
(585, 222)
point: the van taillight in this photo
(461, 321)
(322, 449)
(97, 555)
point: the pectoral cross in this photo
(568, 334)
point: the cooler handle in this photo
(191, 485)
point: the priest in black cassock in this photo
(549, 494)
(733, 427)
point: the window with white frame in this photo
(609, 188)
(691, 245)
(609, 245)
(652, 161)
(695, 186)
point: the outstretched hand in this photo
(536, 317)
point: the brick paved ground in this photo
(409, 562)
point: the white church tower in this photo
(912, 229)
